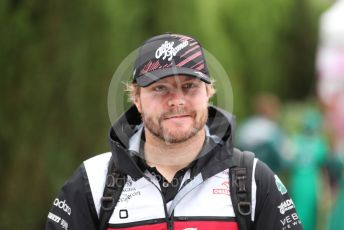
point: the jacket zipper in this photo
(169, 220)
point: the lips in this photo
(177, 116)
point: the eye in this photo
(160, 88)
(190, 85)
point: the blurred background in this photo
(285, 60)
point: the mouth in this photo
(177, 116)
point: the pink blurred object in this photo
(330, 68)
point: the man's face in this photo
(174, 108)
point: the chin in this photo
(179, 131)
(179, 136)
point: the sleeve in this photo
(73, 208)
(275, 209)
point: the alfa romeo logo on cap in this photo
(167, 50)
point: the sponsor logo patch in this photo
(57, 219)
(62, 205)
(64, 224)
(128, 193)
(286, 206)
(53, 217)
(280, 185)
(166, 50)
(223, 190)
(289, 221)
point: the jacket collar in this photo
(214, 158)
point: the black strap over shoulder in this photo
(240, 187)
(114, 184)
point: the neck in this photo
(169, 158)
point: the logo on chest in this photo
(129, 192)
(222, 189)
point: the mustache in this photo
(177, 112)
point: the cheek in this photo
(150, 107)
(200, 101)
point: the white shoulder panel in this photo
(96, 169)
(137, 196)
(253, 190)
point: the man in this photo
(174, 153)
(261, 133)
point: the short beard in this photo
(157, 129)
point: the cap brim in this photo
(156, 75)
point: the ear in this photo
(210, 91)
(137, 103)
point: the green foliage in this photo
(57, 59)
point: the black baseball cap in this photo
(169, 54)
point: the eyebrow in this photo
(189, 80)
(181, 81)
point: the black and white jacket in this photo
(203, 202)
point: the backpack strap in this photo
(114, 184)
(240, 187)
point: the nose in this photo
(176, 98)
